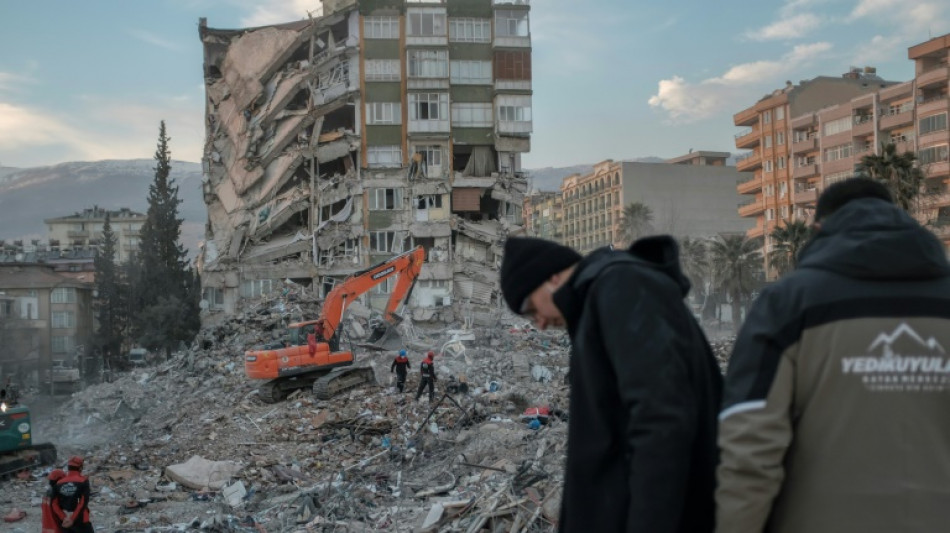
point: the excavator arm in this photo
(405, 266)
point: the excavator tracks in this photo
(37, 455)
(342, 380)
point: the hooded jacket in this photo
(836, 414)
(645, 390)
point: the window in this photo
(513, 65)
(838, 152)
(933, 123)
(429, 201)
(838, 176)
(514, 108)
(768, 165)
(214, 296)
(511, 23)
(469, 30)
(385, 287)
(769, 190)
(62, 343)
(384, 156)
(784, 212)
(837, 126)
(431, 154)
(767, 117)
(255, 288)
(383, 113)
(384, 242)
(428, 63)
(381, 28)
(382, 70)
(901, 136)
(782, 189)
(64, 319)
(385, 199)
(471, 72)
(472, 115)
(429, 106)
(933, 154)
(426, 23)
(768, 141)
(63, 295)
(780, 138)
(770, 214)
(781, 162)
(779, 113)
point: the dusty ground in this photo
(366, 460)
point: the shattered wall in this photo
(335, 143)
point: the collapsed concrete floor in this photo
(370, 459)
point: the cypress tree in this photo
(110, 304)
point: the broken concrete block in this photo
(199, 473)
(432, 519)
(234, 493)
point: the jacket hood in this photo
(874, 239)
(660, 253)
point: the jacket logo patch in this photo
(902, 361)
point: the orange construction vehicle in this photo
(310, 354)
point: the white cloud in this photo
(12, 82)
(688, 102)
(791, 27)
(151, 38)
(912, 19)
(281, 11)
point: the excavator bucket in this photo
(383, 330)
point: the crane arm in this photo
(406, 266)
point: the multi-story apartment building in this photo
(336, 142)
(778, 183)
(593, 203)
(84, 229)
(44, 317)
(826, 136)
(543, 215)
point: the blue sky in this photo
(83, 81)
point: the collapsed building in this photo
(338, 141)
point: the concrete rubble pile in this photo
(187, 444)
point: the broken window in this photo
(382, 70)
(511, 23)
(469, 30)
(383, 113)
(256, 288)
(386, 287)
(327, 212)
(472, 115)
(214, 296)
(429, 201)
(471, 72)
(384, 156)
(381, 28)
(345, 253)
(386, 241)
(431, 154)
(385, 199)
(426, 22)
(428, 106)
(428, 63)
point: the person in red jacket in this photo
(427, 369)
(49, 522)
(70, 502)
(401, 367)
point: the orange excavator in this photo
(310, 354)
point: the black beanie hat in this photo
(529, 262)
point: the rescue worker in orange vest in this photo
(49, 523)
(71, 499)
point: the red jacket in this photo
(72, 498)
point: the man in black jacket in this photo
(645, 387)
(401, 367)
(835, 415)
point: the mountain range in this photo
(30, 195)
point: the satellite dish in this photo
(203, 304)
(18, 257)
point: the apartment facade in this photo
(84, 229)
(544, 215)
(823, 140)
(44, 317)
(593, 203)
(346, 139)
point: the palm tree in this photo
(898, 171)
(694, 257)
(637, 221)
(737, 267)
(787, 241)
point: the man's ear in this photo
(815, 226)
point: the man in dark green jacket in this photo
(645, 387)
(836, 415)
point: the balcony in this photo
(749, 161)
(749, 185)
(805, 171)
(751, 208)
(748, 138)
(904, 146)
(902, 117)
(808, 145)
(746, 117)
(806, 196)
(863, 125)
(934, 76)
(77, 234)
(932, 104)
(936, 169)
